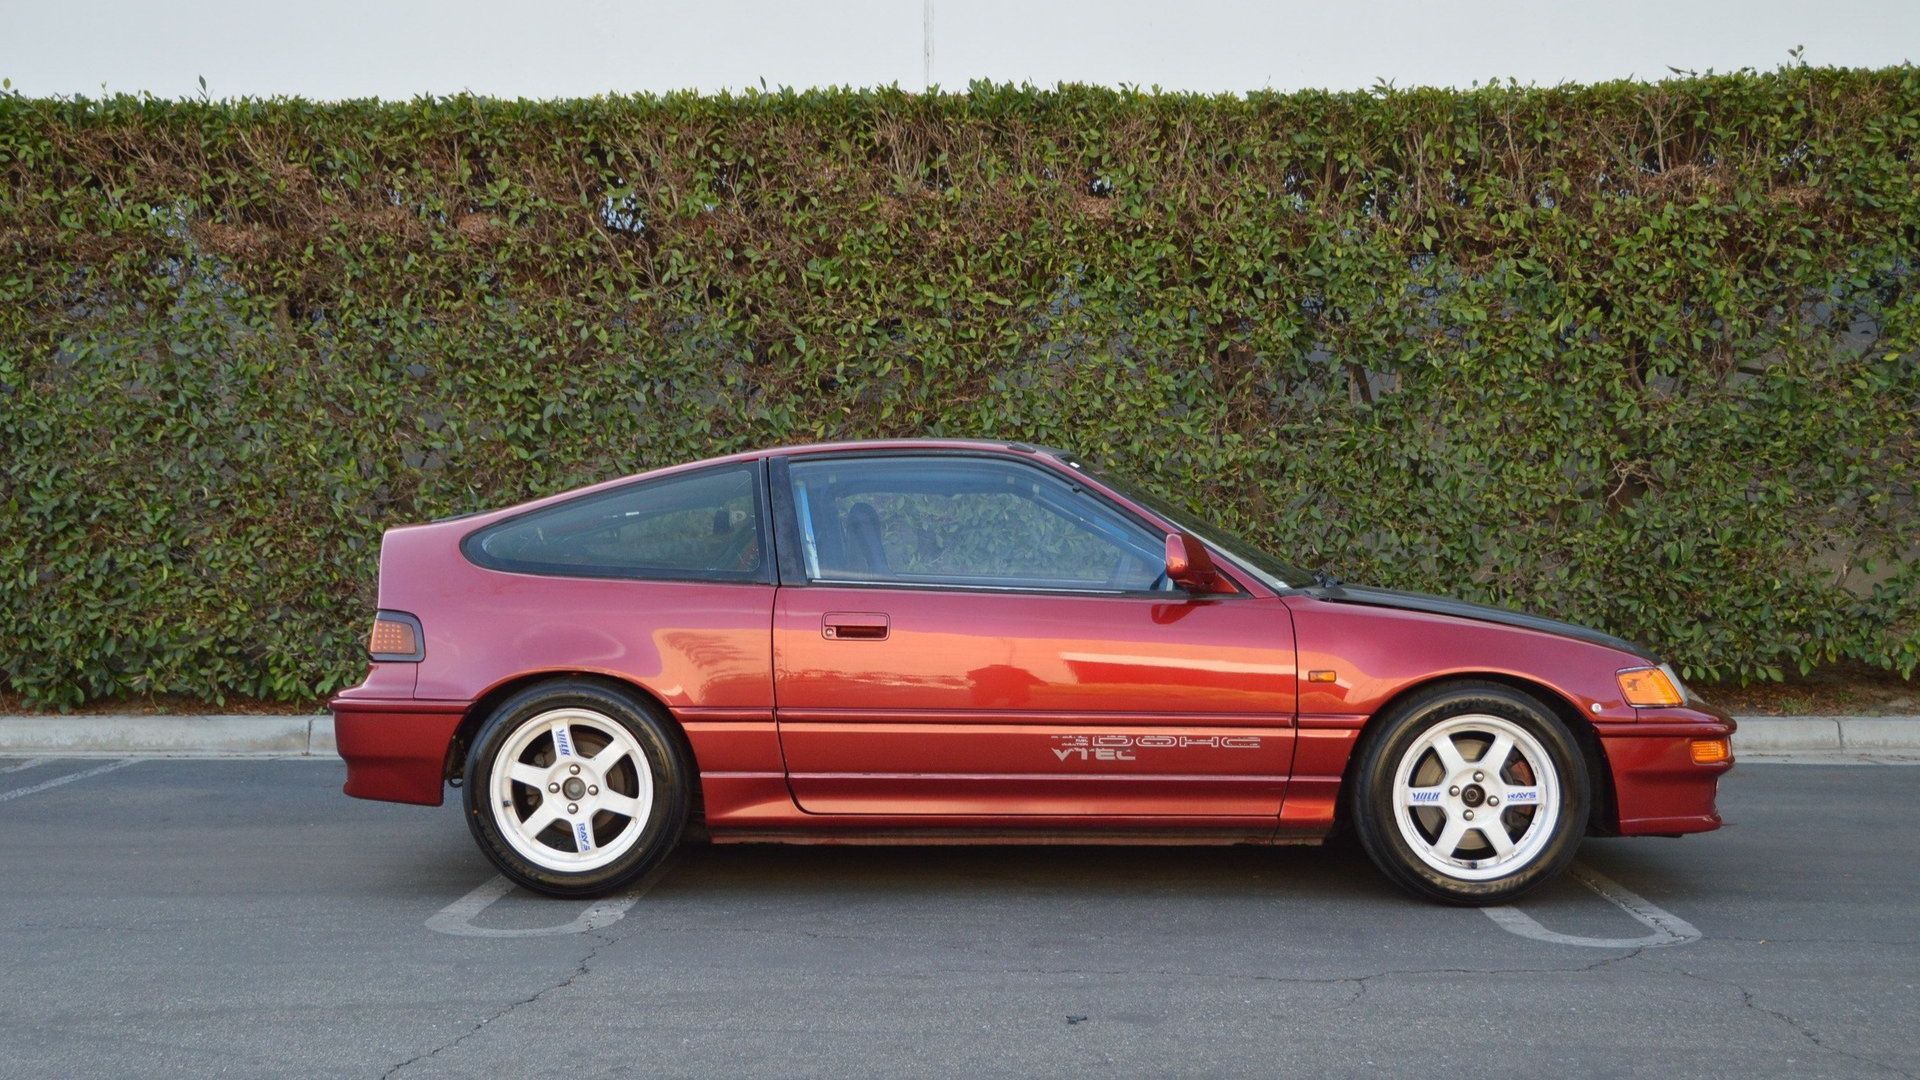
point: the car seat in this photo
(861, 528)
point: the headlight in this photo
(1687, 694)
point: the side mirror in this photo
(1188, 564)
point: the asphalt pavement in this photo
(243, 918)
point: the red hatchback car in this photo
(962, 641)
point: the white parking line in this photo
(457, 918)
(67, 779)
(27, 764)
(1668, 928)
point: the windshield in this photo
(1273, 573)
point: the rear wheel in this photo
(575, 789)
(1470, 793)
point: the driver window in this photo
(965, 522)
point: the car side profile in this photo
(939, 641)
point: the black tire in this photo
(1387, 744)
(672, 779)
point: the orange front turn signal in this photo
(1711, 751)
(1649, 688)
(396, 636)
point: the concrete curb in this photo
(312, 735)
(1778, 734)
(167, 736)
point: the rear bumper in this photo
(1658, 788)
(395, 750)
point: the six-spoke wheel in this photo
(572, 789)
(1470, 793)
(1475, 795)
(575, 788)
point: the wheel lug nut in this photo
(1477, 777)
(591, 790)
(553, 787)
(576, 769)
(1453, 790)
(573, 808)
(1468, 815)
(1493, 800)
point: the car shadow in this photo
(1298, 872)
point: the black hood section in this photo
(1440, 605)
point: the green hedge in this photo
(1642, 356)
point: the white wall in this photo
(549, 48)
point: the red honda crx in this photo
(983, 642)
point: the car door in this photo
(974, 634)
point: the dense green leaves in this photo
(1640, 356)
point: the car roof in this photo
(853, 446)
(924, 443)
(856, 446)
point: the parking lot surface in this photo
(243, 918)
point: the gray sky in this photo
(550, 48)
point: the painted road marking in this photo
(67, 779)
(27, 764)
(1668, 928)
(457, 918)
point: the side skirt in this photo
(947, 837)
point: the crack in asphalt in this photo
(602, 938)
(1330, 980)
(1751, 1001)
(778, 931)
(1812, 941)
(582, 967)
(1358, 982)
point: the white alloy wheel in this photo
(572, 790)
(1476, 797)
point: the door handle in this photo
(853, 626)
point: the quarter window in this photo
(702, 526)
(965, 522)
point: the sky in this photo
(330, 49)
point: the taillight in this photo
(396, 637)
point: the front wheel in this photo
(1471, 793)
(574, 789)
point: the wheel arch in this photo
(484, 705)
(1603, 816)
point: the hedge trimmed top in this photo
(1637, 355)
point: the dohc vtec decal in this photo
(1126, 747)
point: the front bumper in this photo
(1659, 790)
(395, 750)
